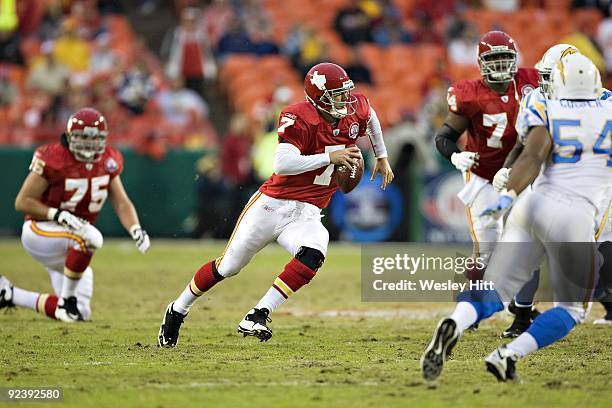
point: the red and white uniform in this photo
(287, 208)
(302, 126)
(79, 187)
(492, 134)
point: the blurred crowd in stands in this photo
(225, 69)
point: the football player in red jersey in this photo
(313, 136)
(487, 109)
(62, 196)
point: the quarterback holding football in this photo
(316, 143)
(62, 196)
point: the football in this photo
(348, 178)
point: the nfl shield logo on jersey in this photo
(504, 99)
(111, 165)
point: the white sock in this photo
(464, 315)
(523, 344)
(69, 287)
(184, 302)
(25, 298)
(271, 300)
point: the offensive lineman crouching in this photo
(313, 137)
(62, 196)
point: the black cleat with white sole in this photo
(6, 293)
(67, 310)
(169, 329)
(502, 364)
(439, 349)
(254, 324)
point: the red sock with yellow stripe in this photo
(205, 278)
(75, 264)
(46, 305)
(295, 275)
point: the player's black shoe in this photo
(67, 310)
(439, 349)
(254, 324)
(607, 319)
(502, 364)
(6, 293)
(522, 321)
(512, 310)
(170, 327)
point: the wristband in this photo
(133, 228)
(52, 213)
(511, 193)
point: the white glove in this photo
(501, 179)
(69, 220)
(464, 161)
(141, 238)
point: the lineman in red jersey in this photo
(62, 196)
(313, 137)
(487, 109)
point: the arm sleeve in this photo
(446, 141)
(288, 160)
(376, 136)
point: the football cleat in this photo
(607, 319)
(6, 293)
(512, 310)
(439, 349)
(169, 329)
(502, 364)
(254, 324)
(67, 310)
(518, 327)
(523, 316)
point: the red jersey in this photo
(78, 187)
(491, 132)
(302, 126)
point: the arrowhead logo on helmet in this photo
(318, 80)
(328, 88)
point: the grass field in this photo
(328, 349)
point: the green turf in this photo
(312, 360)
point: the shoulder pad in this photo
(303, 111)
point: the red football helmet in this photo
(497, 57)
(86, 133)
(328, 88)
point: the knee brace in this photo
(92, 236)
(312, 258)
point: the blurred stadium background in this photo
(192, 91)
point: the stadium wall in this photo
(162, 191)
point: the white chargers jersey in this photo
(524, 121)
(580, 163)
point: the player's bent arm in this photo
(28, 199)
(448, 135)
(528, 165)
(376, 135)
(127, 215)
(122, 204)
(514, 154)
(289, 161)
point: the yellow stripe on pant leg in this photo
(58, 234)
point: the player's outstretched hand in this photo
(383, 167)
(141, 238)
(465, 160)
(501, 179)
(503, 204)
(69, 220)
(348, 157)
